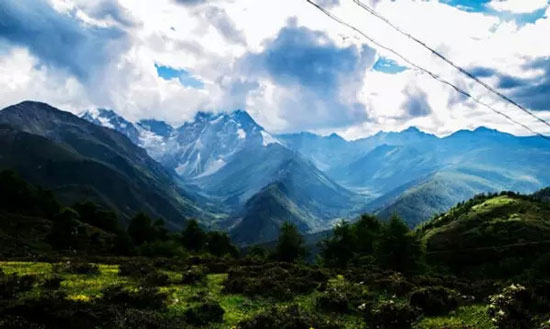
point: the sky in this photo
(285, 62)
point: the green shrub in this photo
(288, 317)
(136, 269)
(76, 268)
(52, 283)
(434, 300)
(391, 314)
(157, 279)
(281, 281)
(343, 297)
(205, 313)
(17, 322)
(12, 284)
(544, 325)
(194, 275)
(143, 319)
(510, 308)
(144, 298)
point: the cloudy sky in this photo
(290, 66)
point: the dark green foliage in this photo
(160, 248)
(93, 214)
(390, 244)
(341, 247)
(541, 267)
(391, 314)
(394, 283)
(194, 275)
(143, 319)
(281, 281)
(289, 317)
(290, 245)
(193, 237)
(257, 253)
(19, 197)
(157, 279)
(18, 322)
(349, 241)
(511, 308)
(398, 248)
(52, 310)
(135, 268)
(219, 244)
(519, 306)
(12, 284)
(144, 298)
(52, 283)
(434, 300)
(205, 313)
(142, 229)
(67, 231)
(343, 297)
(76, 268)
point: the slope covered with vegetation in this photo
(80, 267)
(501, 233)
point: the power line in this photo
(422, 69)
(450, 62)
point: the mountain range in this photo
(230, 173)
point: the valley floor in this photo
(85, 288)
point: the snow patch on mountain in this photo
(241, 133)
(268, 139)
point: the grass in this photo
(470, 317)
(86, 287)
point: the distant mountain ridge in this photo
(80, 160)
(412, 173)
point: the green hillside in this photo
(495, 234)
(435, 195)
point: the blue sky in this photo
(484, 6)
(183, 76)
(288, 65)
(388, 65)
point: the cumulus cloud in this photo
(60, 39)
(309, 74)
(314, 83)
(221, 21)
(416, 104)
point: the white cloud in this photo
(209, 39)
(518, 6)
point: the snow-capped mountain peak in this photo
(110, 119)
(195, 149)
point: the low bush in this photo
(12, 284)
(52, 283)
(157, 279)
(391, 314)
(343, 297)
(76, 268)
(434, 300)
(138, 269)
(281, 281)
(510, 308)
(17, 322)
(143, 319)
(289, 317)
(205, 313)
(395, 284)
(52, 310)
(144, 298)
(194, 275)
